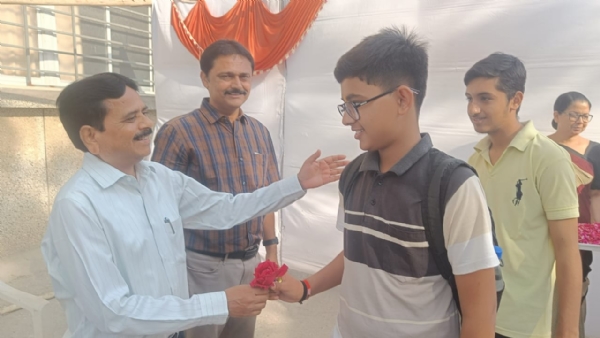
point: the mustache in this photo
(142, 134)
(236, 91)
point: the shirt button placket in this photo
(376, 190)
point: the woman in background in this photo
(571, 117)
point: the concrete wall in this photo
(36, 159)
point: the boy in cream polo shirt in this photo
(531, 188)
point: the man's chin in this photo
(143, 153)
(364, 146)
(481, 130)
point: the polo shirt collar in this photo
(371, 160)
(520, 142)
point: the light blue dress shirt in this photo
(115, 251)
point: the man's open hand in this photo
(315, 173)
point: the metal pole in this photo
(150, 60)
(75, 63)
(108, 40)
(26, 40)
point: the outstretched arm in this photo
(201, 207)
(291, 290)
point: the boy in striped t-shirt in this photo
(390, 284)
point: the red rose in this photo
(266, 273)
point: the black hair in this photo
(563, 101)
(81, 103)
(220, 48)
(390, 58)
(509, 70)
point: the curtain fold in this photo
(270, 37)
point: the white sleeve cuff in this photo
(213, 308)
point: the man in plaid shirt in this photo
(228, 151)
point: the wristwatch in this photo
(272, 241)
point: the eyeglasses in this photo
(585, 118)
(351, 108)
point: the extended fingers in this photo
(335, 158)
(312, 158)
(337, 164)
(335, 172)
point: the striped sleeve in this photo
(169, 149)
(341, 221)
(77, 240)
(467, 225)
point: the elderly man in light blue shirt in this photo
(114, 244)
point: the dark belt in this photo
(176, 335)
(245, 255)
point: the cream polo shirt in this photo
(531, 183)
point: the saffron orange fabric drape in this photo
(271, 38)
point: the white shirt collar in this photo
(105, 174)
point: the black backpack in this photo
(441, 167)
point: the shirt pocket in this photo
(174, 230)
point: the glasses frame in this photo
(585, 118)
(344, 108)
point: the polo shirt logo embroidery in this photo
(519, 184)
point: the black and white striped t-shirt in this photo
(391, 286)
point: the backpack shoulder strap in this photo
(441, 168)
(350, 173)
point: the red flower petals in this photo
(266, 273)
(589, 233)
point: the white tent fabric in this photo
(556, 39)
